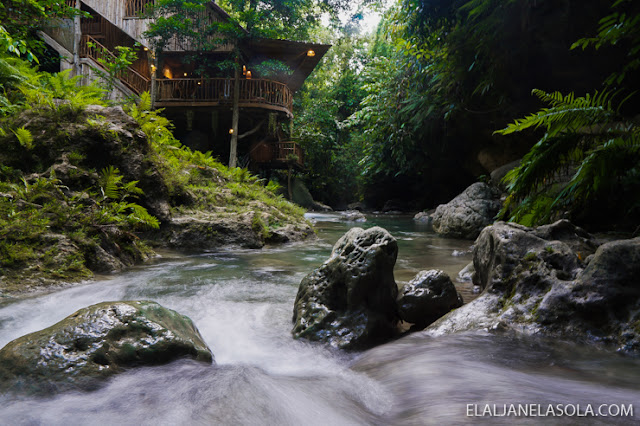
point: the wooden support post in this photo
(154, 67)
(77, 36)
(233, 154)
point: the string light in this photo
(311, 53)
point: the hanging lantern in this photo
(244, 70)
(311, 53)
(248, 75)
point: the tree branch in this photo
(252, 131)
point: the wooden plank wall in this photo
(115, 11)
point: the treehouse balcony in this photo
(212, 92)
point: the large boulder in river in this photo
(350, 301)
(427, 297)
(468, 213)
(546, 281)
(96, 342)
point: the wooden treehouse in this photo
(195, 94)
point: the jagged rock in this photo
(545, 286)
(467, 214)
(349, 301)
(353, 216)
(427, 297)
(96, 342)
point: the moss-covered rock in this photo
(96, 342)
(88, 192)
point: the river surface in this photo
(242, 303)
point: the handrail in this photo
(287, 151)
(254, 91)
(130, 77)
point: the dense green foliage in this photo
(587, 164)
(438, 78)
(328, 98)
(20, 21)
(588, 155)
(67, 195)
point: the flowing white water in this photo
(242, 300)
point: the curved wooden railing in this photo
(93, 49)
(253, 92)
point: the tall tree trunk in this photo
(233, 152)
(77, 36)
(154, 85)
(289, 183)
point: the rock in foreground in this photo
(97, 342)
(427, 297)
(467, 214)
(545, 281)
(349, 301)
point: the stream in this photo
(242, 303)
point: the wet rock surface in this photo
(553, 286)
(353, 216)
(96, 342)
(468, 213)
(427, 297)
(350, 301)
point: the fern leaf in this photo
(140, 217)
(110, 182)
(25, 138)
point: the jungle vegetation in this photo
(422, 107)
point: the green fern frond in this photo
(566, 113)
(145, 102)
(139, 216)
(25, 138)
(585, 151)
(131, 188)
(110, 182)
